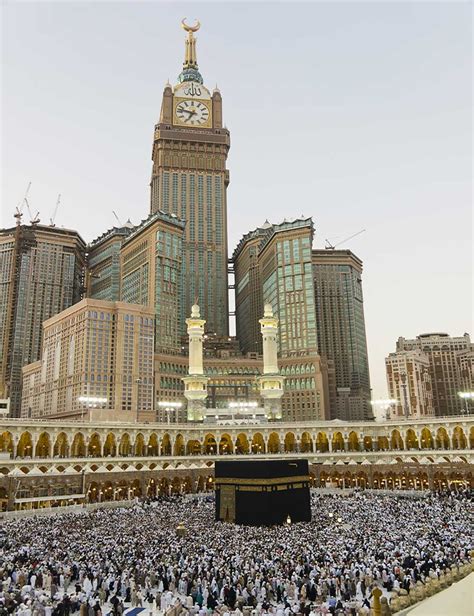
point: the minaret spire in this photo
(190, 70)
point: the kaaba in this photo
(262, 493)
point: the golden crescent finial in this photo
(190, 28)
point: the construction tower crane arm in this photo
(332, 247)
(53, 217)
(117, 219)
(19, 208)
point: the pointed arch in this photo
(140, 448)
(396, 440)
(322, 442)
(273, 443)
(368, 443)
(353, 442)
(166, 445)
(110, 446)
(258, 444)
(61, 446)
(411, 439)
(226, 445)
(95, 446)
(179, 449)
(6, 442)
(210, 445)
(78, 446)
(459, 438)
(426, 439)
(290, 442)
(25, 446)
(43, 446)
(306, 443)
(125, 446)
(153, 448)
(442, 439)
(337, 442)
(242, 444)
(193, 448)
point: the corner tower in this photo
(190, 179)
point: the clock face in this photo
(192, 112)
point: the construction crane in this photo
(34, 220)
(329, 246)
(117, 219)
(53, 217)
(19, 208)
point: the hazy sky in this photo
(358, 114)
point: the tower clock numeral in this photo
(192, 113)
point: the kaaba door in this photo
(227, 503)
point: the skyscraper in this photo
(443, 352)
(41, 274)
(248, 290)
(103, 264)
(341, 329)
(189, 179)
(409, 383)
(272, 264)
(96, 361)
(150, 268)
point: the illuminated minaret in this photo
(195, 384)
(271, 382)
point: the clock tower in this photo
(190, 179)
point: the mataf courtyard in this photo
(168, 555)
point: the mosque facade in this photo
(50, 464)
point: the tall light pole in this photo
(91, 402)
(466, 395)
(138, 382)
(168, 406)
(406, 406)
(384, 406)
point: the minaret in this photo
(195, 384)
(271, 382)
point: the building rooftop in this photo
(268, 230)
(38, 228)
(152, 218)
(122, 231)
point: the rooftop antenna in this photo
(329, 246)
(117, 219)
(53, 217)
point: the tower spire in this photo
(190, 70)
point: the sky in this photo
(357, 114)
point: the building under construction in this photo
(41, 274)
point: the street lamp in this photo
(466, 395)
(138, 382)
(384, 405)
(168, 406)
(91, 402)
(406, 407)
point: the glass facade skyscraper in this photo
(341, 329)
(41, 274)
